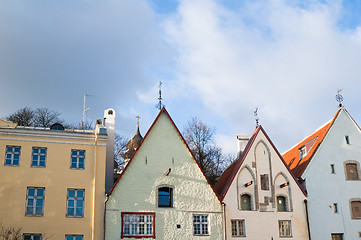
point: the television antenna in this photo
(84, 111)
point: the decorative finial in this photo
(137, 117)
(256, 117)
(159, 105)
(339, 98)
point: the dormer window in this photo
(303, 152)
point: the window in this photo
(281, 204)
(138, 225)
(335, 208)
(200, 225)
(39, 157)
(264, 182)
(347, 138)
(77, 159)
(285, 228)
(351, 171)
(165, 197)
(73, 237)
(238, 228)
(75, 203)
(303, 152)
(332, 168)
(356, 209)
(337, 236)
(35, 201)
(246, 202)
(30, 236)
(12, 156)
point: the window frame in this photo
(250, 202)
(73, 236)
(32, 235)
(75, 199)
(201, 223)
(78, 157)
(358, 172)
(285, 203)
(145, 214)
(354, 200)
(337, 234)
(13, 153)
(283, 231)
(35, 200)
(171, 196)
(236, 222)
(39, 154)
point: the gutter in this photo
(307, 219)
(105, 214)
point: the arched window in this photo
(356, 209)
(246, 202)
(351, 171)
(281, 204)
(165, 197)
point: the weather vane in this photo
(256, 117)
(339, 98)
(137, 117)
(159, 105)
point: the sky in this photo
(217, 61)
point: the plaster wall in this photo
(56, 178)
(262, 222)
(136, 190)
(326, 188)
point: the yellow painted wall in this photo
(56, 178)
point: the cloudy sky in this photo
(218, 61)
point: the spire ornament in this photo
(256, 116)
(339, 98)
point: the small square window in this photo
(12, 155)
(31, 236)
(77, 159)
(38, 157)
(347, 138)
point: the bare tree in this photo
(120, 148)
(10, 232)
(200, 139)
(23, 117)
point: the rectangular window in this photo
(75, 203)
(335, 208)
(35, 201)
(77, 159)
(138, 225)
(39, 157)
(332, 168)
(238, 228)
(351, 171)
(356, 209)
(31, 236)
(285, 228)
(200, 225)
(73, 237)
(264, 182)
(12, 155)
(347, 138)
(337, 236)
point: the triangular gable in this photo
(228, 176)
(292, 157)
(163, 111)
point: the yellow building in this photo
(52, 181)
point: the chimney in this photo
(242, 140)
(109, 123)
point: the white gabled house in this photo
(327, 163)
(162, 193)
(261, 199)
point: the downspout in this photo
(224, 220)
(105, 214)
(307, 219)
(94, 181)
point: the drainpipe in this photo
(224, 220)
(94, 182)
(105, 214)
(307, 219)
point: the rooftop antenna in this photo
(256, 116)
(159, 105)
(339, 98)
(84, 111)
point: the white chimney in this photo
(242, 140)
(109, 123)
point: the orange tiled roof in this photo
(292, 157)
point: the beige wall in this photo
(56, 178)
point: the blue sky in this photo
(218, 61)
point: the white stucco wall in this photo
(325, 189)
(263, 159)
(136, 191)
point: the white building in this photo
(327, 163)
(261, 199)
(162, 193)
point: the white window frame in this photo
(240, 227)
(285, 228)
(201, 222)
(138, 225)
(10, 155)
(39, 155)
(78, 157)
(35, 200)
(75, 199)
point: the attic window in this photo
(57, 127)
(347, 138)
(303, 152)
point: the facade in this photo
(261, 199)
(327, 163)
(52, 181)
(162, 193)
